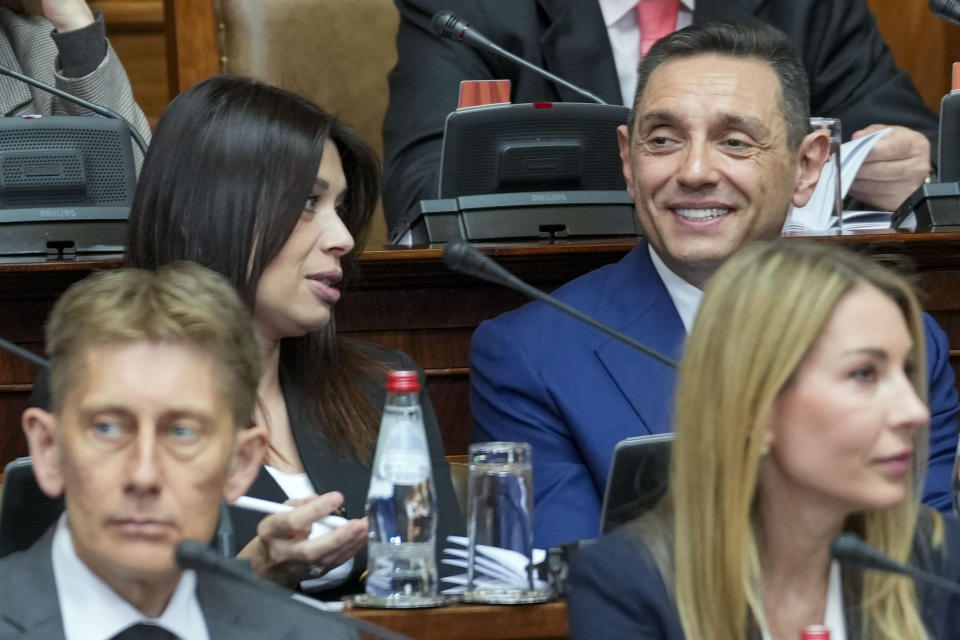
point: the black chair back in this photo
(25, 511)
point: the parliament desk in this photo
(407, 299)
(474, 622)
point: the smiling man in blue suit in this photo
(717, 150)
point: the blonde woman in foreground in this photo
(800, 413)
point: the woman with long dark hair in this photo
(266, 188)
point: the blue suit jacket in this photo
(616, 592)
(539, 376)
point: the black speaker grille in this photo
(479, 152)
(103, 162)
(20, 190)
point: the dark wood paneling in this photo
(192, 50)
(137, 31)
(12, 441)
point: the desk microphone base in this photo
(518, 216)
(932, 207)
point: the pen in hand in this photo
(329, 522)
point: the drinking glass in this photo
(500, 524)
(832, 127)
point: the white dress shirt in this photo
(620, 17)
(686, 297)
(833, 618)
(92, 610)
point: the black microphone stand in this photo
(96, 108)
(460, 256)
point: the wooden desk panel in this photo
(474, 622)
(28, 289)
(407, 299)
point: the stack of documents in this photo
(818, 214)
(496, 568)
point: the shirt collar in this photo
(686, 297)
(614, 10)
(91, 610)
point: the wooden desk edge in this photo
(473, 622)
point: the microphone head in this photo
(446, 24)
(195, 555)
(846, 545)
(461, 257)
(849, 548)
(947, 9)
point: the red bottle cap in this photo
(403, 382)
(815, 632)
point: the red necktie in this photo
(656, 18)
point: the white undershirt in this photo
(686, 297)
(295, 485)
(833, 618)
(620, 18)
(92, 610)
(298, 486)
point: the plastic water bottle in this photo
(401, 502)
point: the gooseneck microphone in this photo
(447, 24)
(461, 257)
(202, 559)
(949, 10)
(86, 104)
(20, 352)
(851, 549)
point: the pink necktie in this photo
(656, 18)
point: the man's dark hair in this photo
(741, 40)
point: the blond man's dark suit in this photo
(30, 610)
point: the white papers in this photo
(495, 568)
(818, 215)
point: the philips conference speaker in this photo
(66, 184)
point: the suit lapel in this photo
(29, 606)
(227, 613)
(647, 384)
(586, 62)
(327, 470)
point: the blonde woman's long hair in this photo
(761, 314)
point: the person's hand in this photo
(282, 551)
(896, 166)
(67, 15)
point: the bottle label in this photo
(404, 458)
